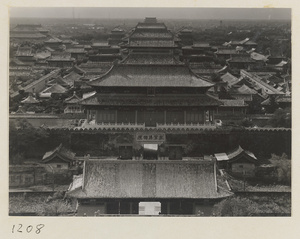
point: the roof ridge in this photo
(102, 76)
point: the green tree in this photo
(283, 167)
(23, 137)
(56, 208)
(234, 206)
(246, 122)
(252, 206)
(281, 118)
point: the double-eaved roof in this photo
(151, 33)
(148, 179)
(150, 76)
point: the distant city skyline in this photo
(163, 13)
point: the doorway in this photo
(149, 208)
(150, 151)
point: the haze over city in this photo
(164, 13)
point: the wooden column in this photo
(119, 209)
(168, 207)
(135, 117)
(165, 116)
(105, 208)
(194, 208)
(116, 115)
(130, 208)
(184, 117)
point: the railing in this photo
(95, 125)
(68, 111)
(207, 125)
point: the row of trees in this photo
(253, 206)
(26, 141)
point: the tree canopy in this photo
(281, 118)
(23, 137)
(253, 206)
(283, 166)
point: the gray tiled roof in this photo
(199, 100)
(148, 179)
(162, 35)
(233, 103)
(55, 89)
(230, 79)
(233, 155)
(152, 43)
(30, 100)
(64, 153)
(150, 58)
(150, 76)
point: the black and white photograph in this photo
(150, 112)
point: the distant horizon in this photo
(160, 13)
(208, 19)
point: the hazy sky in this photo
(185, 13)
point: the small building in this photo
(61, 59)
(54, 43)
(186, 37)
(232, 107)
(55, 90)
(242, 162)
(42, 55)
(72, 106)
(38, 85)
(259, 57)
(25, 54)
(230, 79)
(58, 80)
(59, 158)
(72, 77)
(226, 53)
(200, 52)
(116, 36)
(77, 53)
(30, 100)
(239, 162)
(247, 43)
(278, 101)
(259, 84)
(241, 61)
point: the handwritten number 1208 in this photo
(30, 228)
